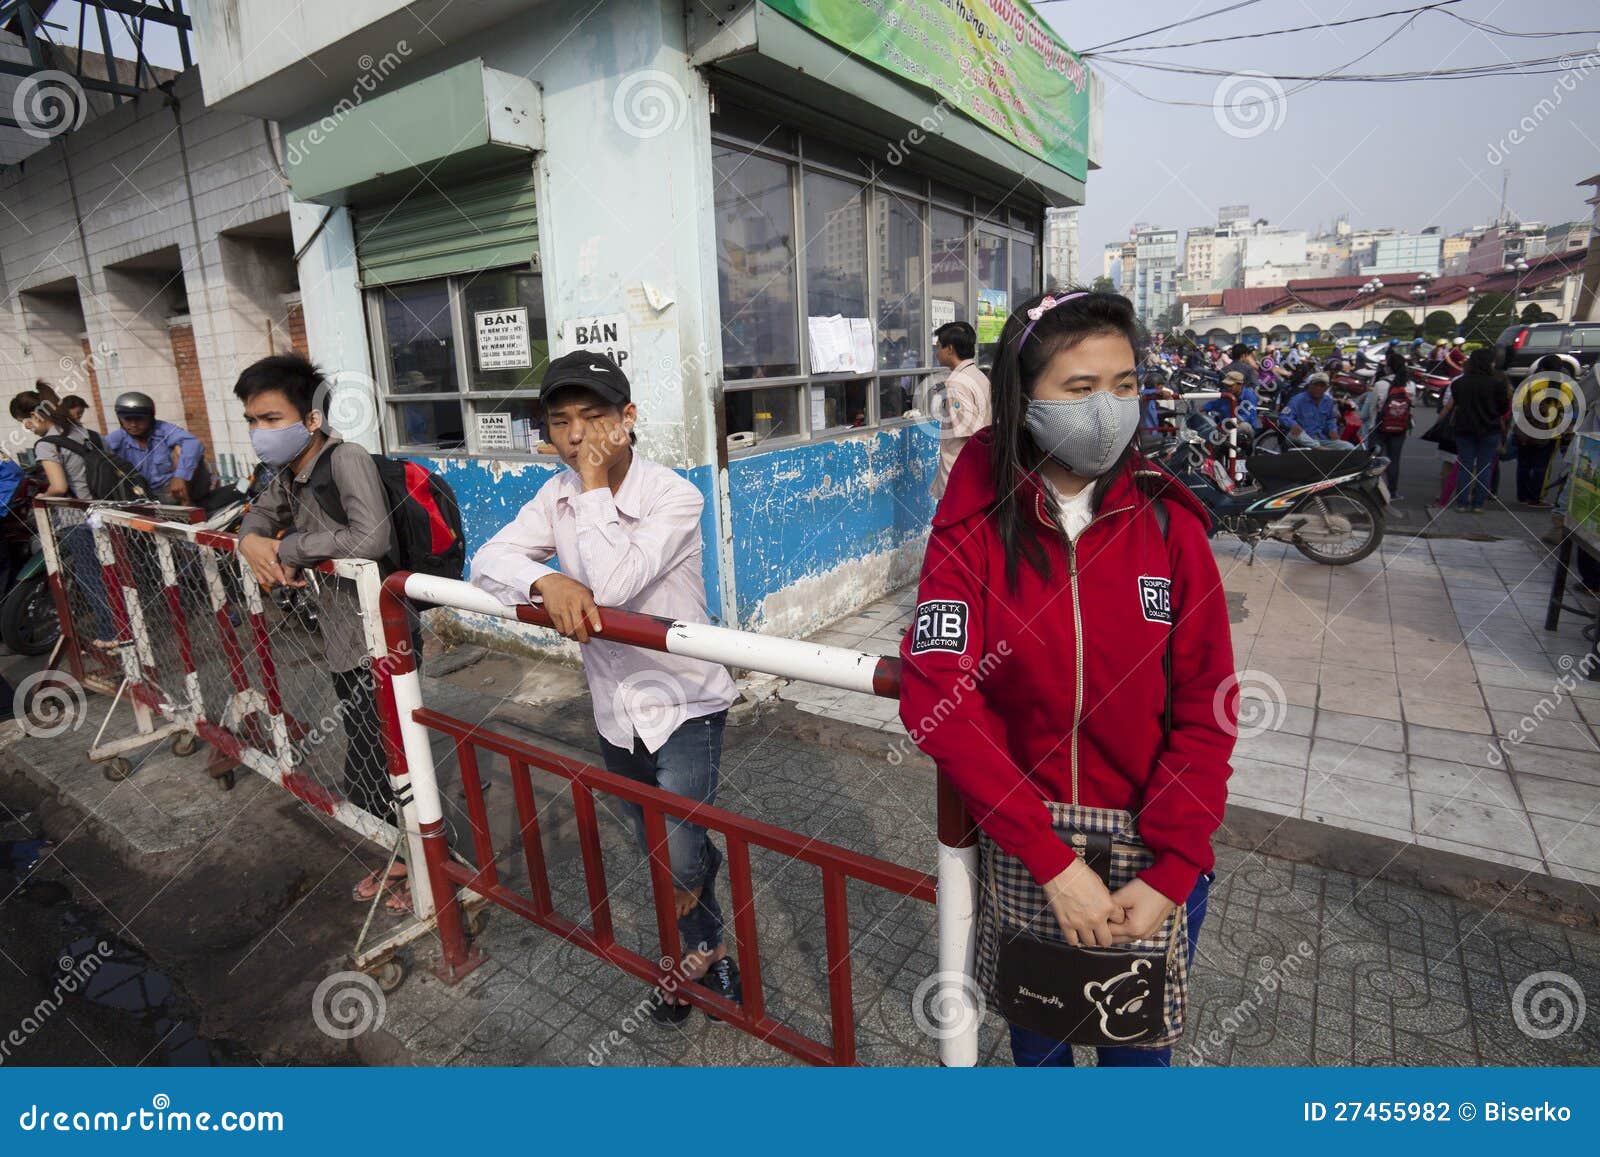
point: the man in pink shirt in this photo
(626, 533)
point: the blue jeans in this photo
(686, 764)
(78, 545)
(1034, 1050)
(1476, 454)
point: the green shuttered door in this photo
(450, 228)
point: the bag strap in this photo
(1163, 520)
(324, 491)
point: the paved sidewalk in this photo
(1414, 695)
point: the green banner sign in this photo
(995, 61)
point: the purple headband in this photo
(1046, 304)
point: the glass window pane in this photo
(836, 247)
(773, 413)
(527, 421)
(755, 266)
(902, 336)
(994, 292)
(948, 281)
(419, 339)
(838, 405)
(1022, 277)
(499, 290)
(897, 394)
(436, 425)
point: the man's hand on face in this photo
(571, 606)
(605, 443)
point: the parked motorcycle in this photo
(1328, 504)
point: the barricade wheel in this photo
(117, 770)
(477, 919)
(184, 743)
(390, 975)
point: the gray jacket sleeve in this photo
(269, 510)
(367, 533)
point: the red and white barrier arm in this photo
(955, 1001)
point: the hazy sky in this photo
(1407, 154)
(1410, 154)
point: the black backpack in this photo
(110, 478)
(424, 516)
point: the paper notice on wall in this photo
(993, 308)
(941, 311)
(863, 346)
(606, 334)
(819, 408)
(830, 344)
(503, 339)
(494, 432)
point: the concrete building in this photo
(699, 192)
(150, 250)
(1155, 288)
(1061, 255)
(1404, 253)
(1588, 306)
(1111, 262)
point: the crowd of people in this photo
(1482, 420)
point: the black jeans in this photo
(1390, 446)
(1533, 459)
(366, 771)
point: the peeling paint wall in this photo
(822, 529)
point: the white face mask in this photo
(1086, 435)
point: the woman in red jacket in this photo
(1064, 571)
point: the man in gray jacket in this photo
(287, 529)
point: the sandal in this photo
(368, 886)
(399, 901)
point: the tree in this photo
(1438, 325)
(1399, 324)
(1171, 318)
(1533, 314)
(1103, 285)
(1490, 314)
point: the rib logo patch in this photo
(941, 625)
(1155, 599)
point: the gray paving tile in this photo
(1482, 825)
(1357, 761)
(1356, 799)
(1384, 734)
(1457, 780)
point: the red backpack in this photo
(1396, 412)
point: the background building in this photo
(1155, 288)
(672, 186)
(1062, 265)
(1403, 253)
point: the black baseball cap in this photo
(594, 372)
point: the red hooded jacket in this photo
(1056, 689)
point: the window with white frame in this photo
(834, 269)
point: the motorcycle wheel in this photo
(1366, 528)
(1271, 442)
(28, 621)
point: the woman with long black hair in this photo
(1065, 577)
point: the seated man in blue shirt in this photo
(1312, 417)
(1244, 401)
(148, 445)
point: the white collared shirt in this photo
(966, 411)
(638, 550)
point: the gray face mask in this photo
(1083, 434)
